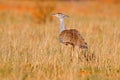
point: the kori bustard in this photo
(70, 36)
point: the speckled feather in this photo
(70, 36)
(73, 37)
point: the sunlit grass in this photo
(31, 51)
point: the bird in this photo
(70, 36)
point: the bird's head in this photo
(60, 15)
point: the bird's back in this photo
(72, 37)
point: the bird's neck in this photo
(62, 25)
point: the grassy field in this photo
(32, 51)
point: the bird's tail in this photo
(84, 46)
(87, 54)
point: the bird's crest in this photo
(60, 15)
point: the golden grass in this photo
(30, 51)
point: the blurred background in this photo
(30, 47)
(41, 10)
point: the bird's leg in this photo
(71, 55)
(73, 47)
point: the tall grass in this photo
(30, 51)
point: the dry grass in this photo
(30, 51)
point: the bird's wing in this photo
(70, 35)
(77, 34)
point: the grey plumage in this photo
(70, 36)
